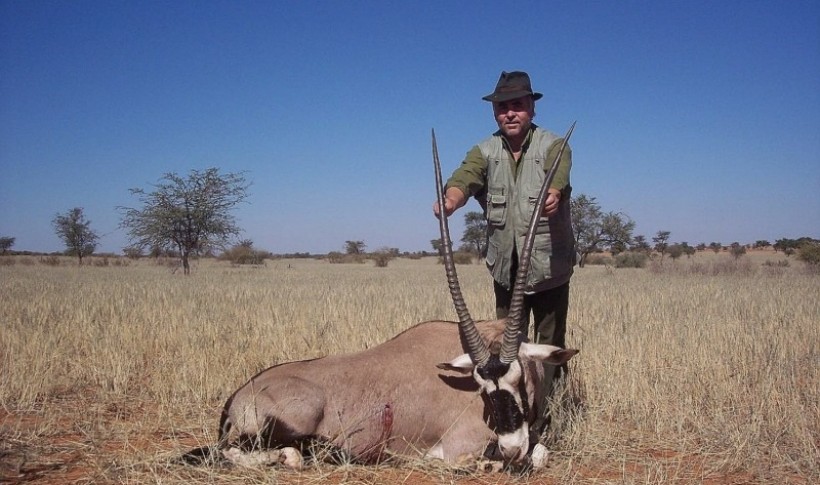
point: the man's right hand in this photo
(453, 199)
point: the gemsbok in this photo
(458, 392)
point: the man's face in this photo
(514, 117)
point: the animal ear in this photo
(549, 354)
(461, 364)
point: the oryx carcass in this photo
(411, 395)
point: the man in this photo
(505, 173)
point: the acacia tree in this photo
(737, 250)
(688, 250)
(661, 241)
(788, 246)
(6, 243)
(75, 231)
(475, 233)
(187, 214)
(355, 247)
(596, 230)
(640, 245)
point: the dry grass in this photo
(686, 375)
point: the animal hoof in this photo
(291, 458)
(540, 456)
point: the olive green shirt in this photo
(471, 176)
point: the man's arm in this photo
(467, 180)
(561, 180)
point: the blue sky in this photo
(700, 118)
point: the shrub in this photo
(381, 259)
(631, 260)
(120, 262)
(132, 252)
(459, 257)
(50, 260)
(737, 250)
(335, 257)
(463, 257)
(810, 254)
(244, 253)
(675, 251)
(599, 259)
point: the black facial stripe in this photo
(522, 391)
(508, 417)
(493, 369)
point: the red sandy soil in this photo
(58, 451)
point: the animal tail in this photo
(204, 455)
(210, 454)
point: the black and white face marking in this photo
(504, 386)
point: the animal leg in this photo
(288, 456)
(266, 416)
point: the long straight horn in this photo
(509, 347)
(476, 347)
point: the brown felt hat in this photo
(512, 85)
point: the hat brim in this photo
(501, 97)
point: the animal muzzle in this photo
(514, 445)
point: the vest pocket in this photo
(496, 209)
(543, 221)
(497, 264)
(492, 254)
(540, 267)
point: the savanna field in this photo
(700, 370)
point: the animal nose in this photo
(514, 446)
(515, 455)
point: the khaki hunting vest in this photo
(509, 204)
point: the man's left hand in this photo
(551, 206)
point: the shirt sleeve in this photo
(561, 180)
(471, 175)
